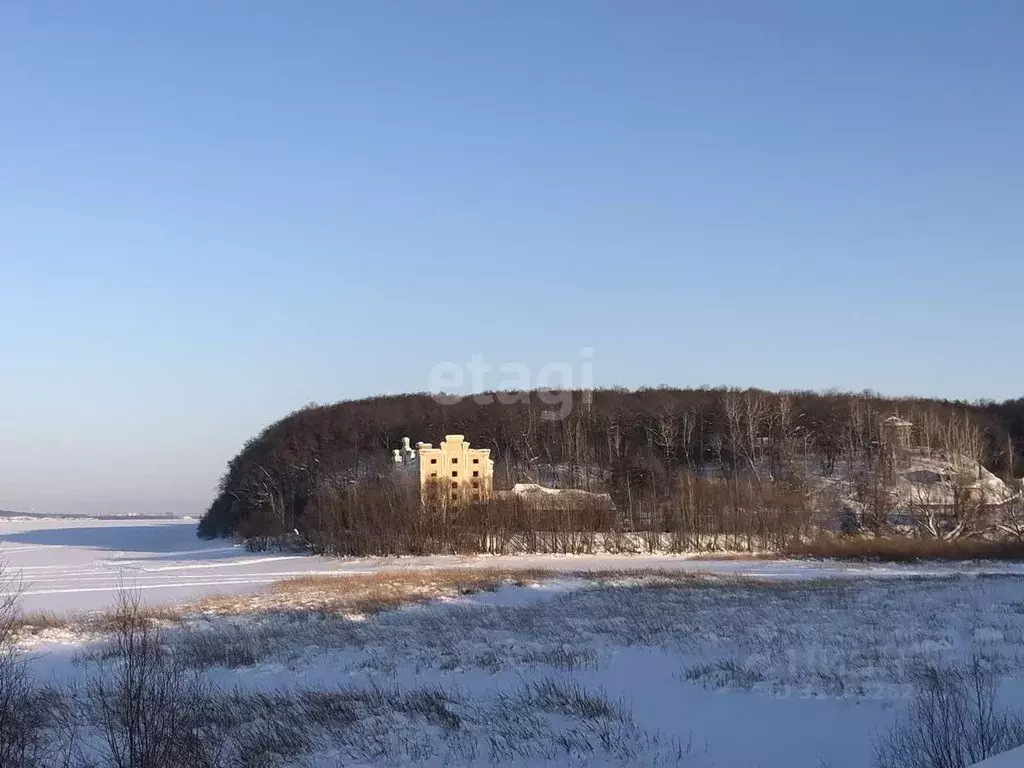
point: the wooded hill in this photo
(701, 462)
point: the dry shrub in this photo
(101, 623)
(954, 720)
(389, 517)
(29, 713)
(353, 594)
(140, 707)
(900, 549)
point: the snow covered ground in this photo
(1011, 759)
(635, 671)
(803, 666)
(78, 565)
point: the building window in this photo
(433, 474)
(455, 461)
(455, 486)
(433, 461)
(476, 484)
(475, 473)
(454, 473)
(476, 461)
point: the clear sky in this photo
(212, 213)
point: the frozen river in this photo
(78, 565)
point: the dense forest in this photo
(728, 466)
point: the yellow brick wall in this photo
(464, 472)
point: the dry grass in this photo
(350, 595)
(370, 593)
(904, 549)
(41, 624)
(367, 594)
(360, 594)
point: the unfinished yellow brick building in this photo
(453, 468)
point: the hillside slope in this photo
(641, 442)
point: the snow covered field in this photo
(79, 564)
(803, 666)
(642, 671)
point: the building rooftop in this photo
(897, 421)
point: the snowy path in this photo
(77, 565)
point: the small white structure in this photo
(933, 481)
(898, 431)
(405, 456)
(539, 497)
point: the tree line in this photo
(686, 468)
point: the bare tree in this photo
(687, 424)
(959, 515)
(953, 721)
(964, 445)
(146, 708)
(665, 430)
(1011, 518)
(876, 498)
(29, 713)
(733, 408)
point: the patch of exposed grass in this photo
(906, 549)
(568, 698)
(369, 594)
(360, 595)
(43, 624)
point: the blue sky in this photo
(214, 213)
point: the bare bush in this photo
(28, 711)
(954, 720)
(1011, 523)
(907, 549)
(141, 708)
